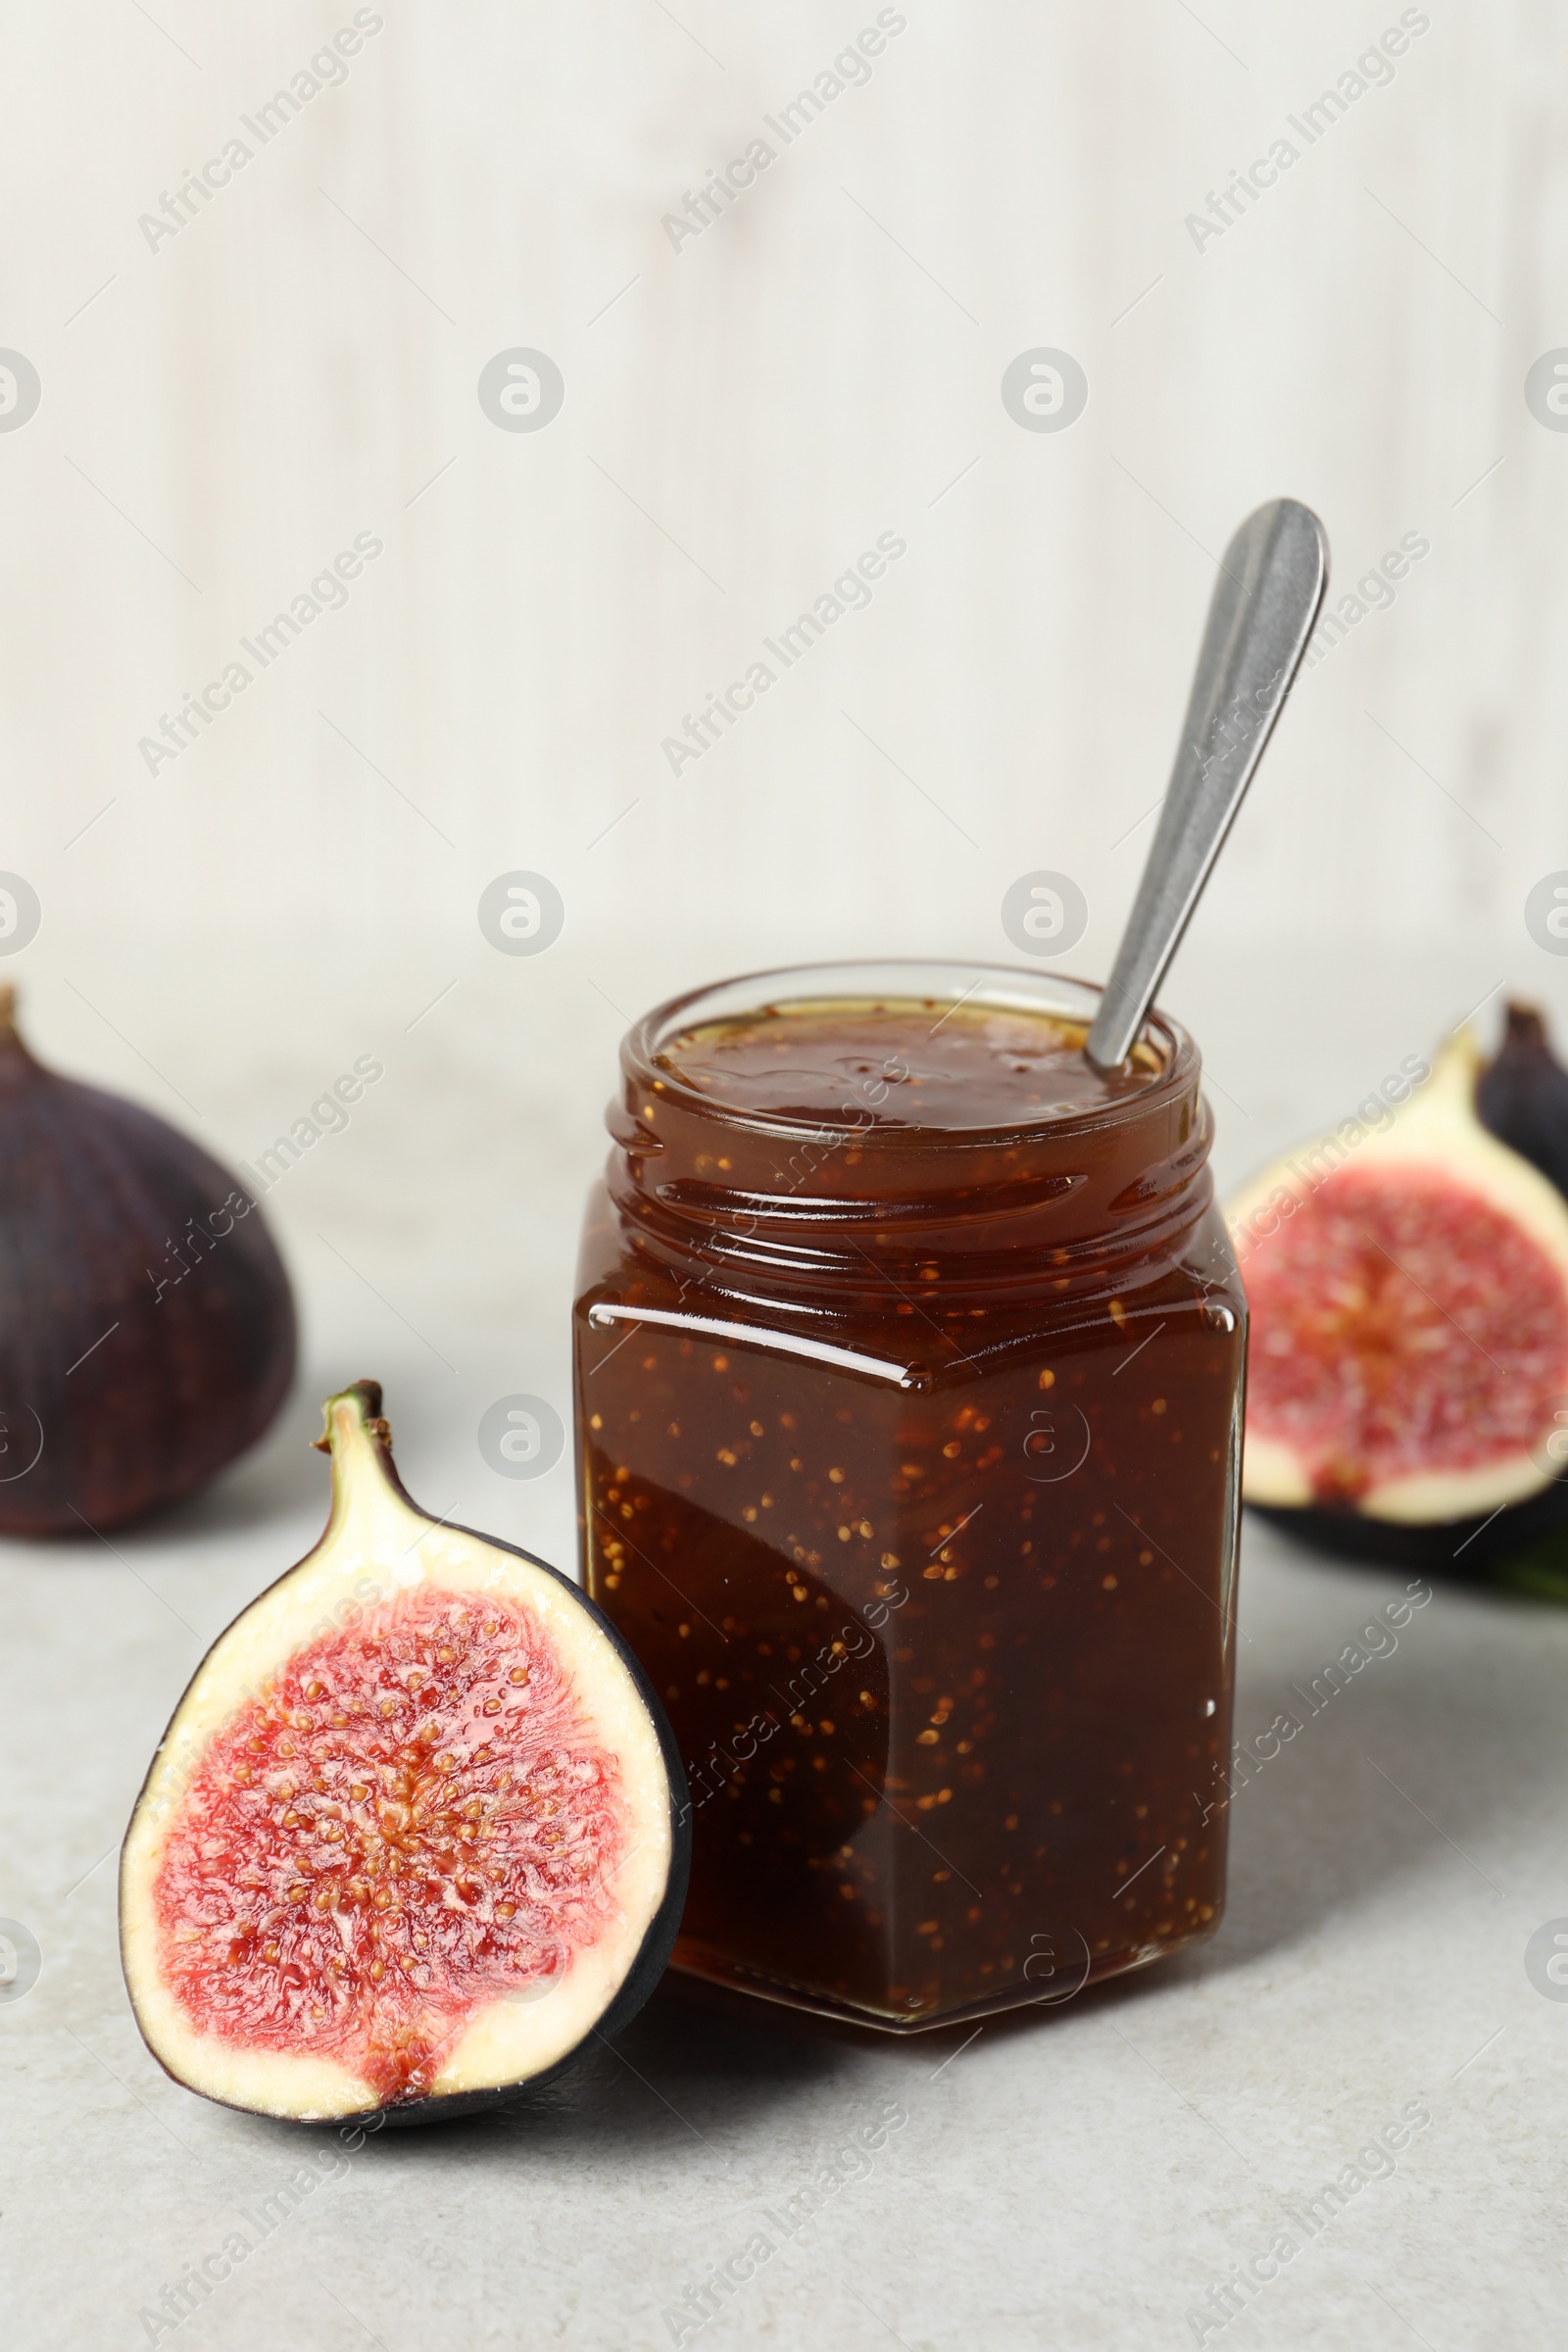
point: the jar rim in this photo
(859, 980)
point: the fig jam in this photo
(908, 1361)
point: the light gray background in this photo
(301, 887)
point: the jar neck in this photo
(1061, 1209)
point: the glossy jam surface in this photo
(926, 1065)
(933, 1573)
(410, 1823)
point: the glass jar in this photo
(908, 1464)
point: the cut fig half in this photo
(417, 1833)
(1407, 1373)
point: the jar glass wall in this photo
(908, 1445)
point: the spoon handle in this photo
(1264, 609)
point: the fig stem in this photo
(371, 1510)
(364, 1396)
(1525, 1026)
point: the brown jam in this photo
(908, 1363)
(973, 1067)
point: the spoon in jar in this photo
(1265, 606)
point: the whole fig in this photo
(1522, 1095)
(147, 1330)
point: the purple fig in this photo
(146, 1325)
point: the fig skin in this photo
(119, 1396)
(1522, 1095)
(1456, 1547)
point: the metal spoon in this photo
(1265, 606)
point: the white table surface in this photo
(1079, 2177)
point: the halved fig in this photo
(1407, 1377)
(417, 1832)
